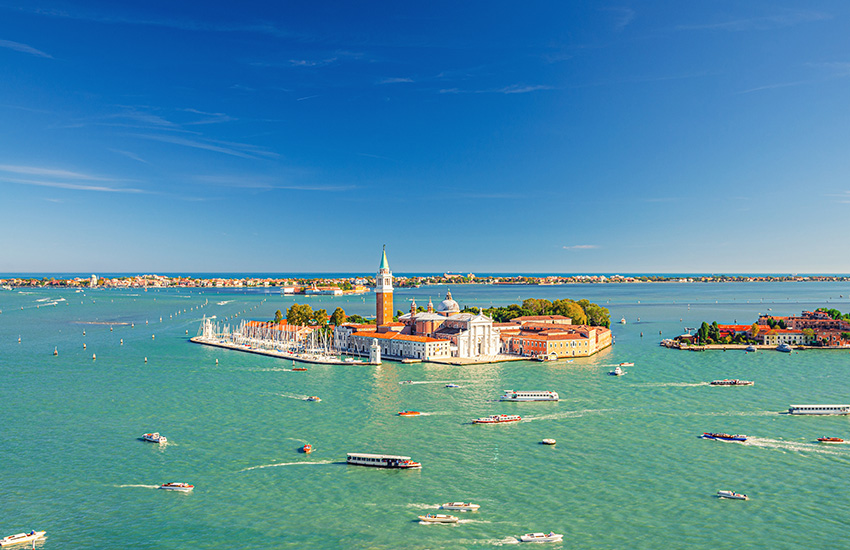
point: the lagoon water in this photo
(628, 470)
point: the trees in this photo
(338, 317)
(299, 314)
(754, 330)
(569, 308)
(320, 316)
(357, 319)
(278, 316)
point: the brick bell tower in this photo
(384, 292)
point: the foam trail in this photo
(284, 464)
(672, 384)
(796, 446)
(423, 506)
(143, 486)
(566, 414)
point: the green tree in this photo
(278, 316)
(356, 319)
(782, 324)
(537, 306)
(569, 308)
(299, 314)
(598, 316)
(320, 316)
(338, 317)
(754, 330)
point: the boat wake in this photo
(796, 446)
(501, 542)
(298, 397)
(422, 506)
(142, 486)
(224, 303)
(672, 384)
(427, 382)
(473, 521)
(566, 414)
(286, 464)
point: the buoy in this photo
(110, 329)
(132, 325)
(84, 346)
(84, 333)
(187, 331)
(153, 336)
(641, 335)
(93, 356)
(216, 361)
(55, 351)
(146, 322)
(19, 339)
(146, 359)
(122, 341)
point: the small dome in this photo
(448, 305)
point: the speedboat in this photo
(830, 439)
(731, 382)
(299, 369)
(626, 365)
(313, 398)
(617, 371)
(462, 506)
(751, 349)
(548, 441)
(541, 537)
(731, 494)
(452, 386)
(155, 438)
(784, 348)
(307, 448)
(623, 321)
(497, 419)
(174, 486)
(406, 382)
(409, 413)
(438, 518)
(22, 537)
(724, 437)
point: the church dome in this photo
(448, 305)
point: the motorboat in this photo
(617, 371)
(751, 349)
(155, 438)
(174, 486)
(541, 537)
(623, 321)
(830, 440)
(299, 369)
(313, 398)
(497, 419)
(724, 437)
(406, 382)
(731, 494)
(784, 348)
(544, 357)
(307, 448)
(461, 506)
(22, 537)
(409, 413)
(548, 441)
(626, 365)
(731, 382)
(452, 386)
(438, 518)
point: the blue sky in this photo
(566, 137)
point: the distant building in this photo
(93, 282)
(563, 340)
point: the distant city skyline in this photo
(489, 137)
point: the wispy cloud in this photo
(129, 155)
(209, 118)
(773, 86)
(777, 21)
(23, 48)
(49, 172)
(512, 89)
(265, 183)
(58, 179)
(624, 16)
(395, 80)
(581, 247)
(233, 149)
(835, 68)
(311, 62)
(306, 97)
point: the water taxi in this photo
(409, 413)
(784, 348)
(299, 369)
(541, 537)
(452, 386)
(497, 419)
(381, 461)
(830, 440)
(548, 441)
(617, 371)
(174, 486)
(22, 537)
(731, 382)
(512, 395)
(731, 494)
(462, 506)
(155, 438)
(307, 448)
(626, 365)
(313, 398)
(819, 409)
(724, 437)
(438, 518)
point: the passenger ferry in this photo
(819, 409)
(731, 382)
(724, 437)
(497, 419)
(174, 486)
(382, 461)
(512, 395)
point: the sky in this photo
(482, 136)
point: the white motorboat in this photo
(548, 441)
(313, 398)
(617, 371)
(155, 438)
(623, 321)
(174, 486)
(438, 518)
(626, 365)
(22, 537)
(452, 386)
(462, 506)
(541, 537)
(731, 494)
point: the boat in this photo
(543, 357)
(409, 413)
(438, 518)
(513, 395)
(541, 537)
(307, 448)
(731, 382)
(155, 438)
(406, 382)
(313, 398)
(548, 441)
(751, 349)
(617, 371)
(452, 386)
(825, 439)
(724, 437)
(623, 321)
(462, 506)
(22, 537)
(625, 364)
(819, 409)
(299, 369)
(410, 361)
(382, 461)
(174, 486)
(784, 348)
(731, 494)
(497, 419)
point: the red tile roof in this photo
(398, 336)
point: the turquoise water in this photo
(628, 470)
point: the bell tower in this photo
(384, 292)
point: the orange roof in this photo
(393, 325)
(398, 336)
(541, 318)
(736, 328)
